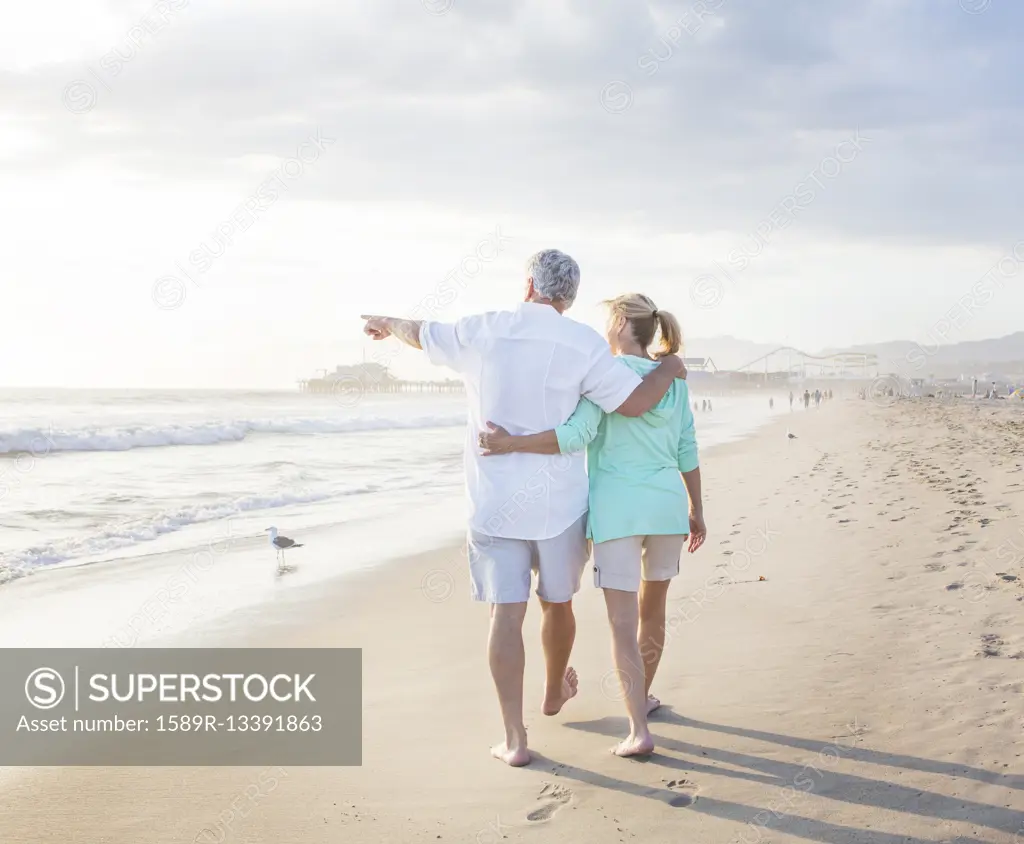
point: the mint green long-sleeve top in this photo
(634, 464)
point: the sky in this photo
(210, 194)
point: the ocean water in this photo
(88, 476)
(118, 477)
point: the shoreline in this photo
(445, 578)
(158, 596)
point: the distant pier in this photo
(335, 385)
(371, 378)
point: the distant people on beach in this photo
(771, 403)
(790, 399)
(704, 404)
(807, 399)
(709, 405)
(817, 398)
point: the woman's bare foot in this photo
(553, 703)
(642, 745)
(516, 756)
(652, 704)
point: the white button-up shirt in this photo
(526, 371)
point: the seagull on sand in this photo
(281, 543)
(790, 435)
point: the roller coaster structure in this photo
(801, 364)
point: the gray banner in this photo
(181, 706)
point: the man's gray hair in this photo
(555, 275)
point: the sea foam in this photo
(138, 531)
(41, 442)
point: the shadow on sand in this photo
(795, 782)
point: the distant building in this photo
(365, 373)
(700, 365)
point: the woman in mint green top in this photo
(645, 502)
(636, 488)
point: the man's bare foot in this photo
(635, 746)
(515, 756)
(553, 703)
(652, 704)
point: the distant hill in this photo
(999, 355)
(1006, 349)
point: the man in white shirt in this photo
(527, 370)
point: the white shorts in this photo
(500, 568)
(619, 563)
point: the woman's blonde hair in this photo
(646, 319)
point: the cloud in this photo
(492, 105)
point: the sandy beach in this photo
(868, 689)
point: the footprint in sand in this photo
(991, 645)
(685, 793)
(552, 798)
